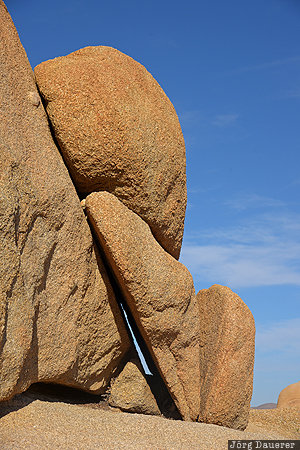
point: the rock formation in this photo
(290, 396)
(131, 392)
(227, 343)
(60, 321)
(118, 132)
(53, 291)
(159, 292)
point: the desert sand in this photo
(28, 422)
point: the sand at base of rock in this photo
(36, 424)
(285, 421)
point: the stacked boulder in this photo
(159, 292)
(118, 132)
(66, 277)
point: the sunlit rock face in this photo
(119, 132)
(59, 321)
(290, 396)
(227, 345)
(160, 293)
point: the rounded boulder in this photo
(119, 132)
(289, 397)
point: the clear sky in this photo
(232, 70)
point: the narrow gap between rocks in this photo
(153, 377)
(52, 392)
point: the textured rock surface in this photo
(118, 132)
(227, 342)
(58, 318)
(159, 292)
(131, 392)
(290, 396)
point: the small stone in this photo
(131, 392)
(34, 98)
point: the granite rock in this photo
(227, 343)
(119, 132)
(159, 292)
(59, 320)
(289, 397)
(131, 393)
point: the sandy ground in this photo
(28, 423)
(285, 421)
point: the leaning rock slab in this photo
(59, 321)
(131, 392)
(227, 342)
(118, 132)
(159, 292)
(289, 397)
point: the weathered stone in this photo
(59, 321)
(227, 342)
(289, 397)
(159, 292)
(118, 132)
(131, 392)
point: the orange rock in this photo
(119, 132)
(131, 392)
(159, 292)
(227, 342)
(59, 321)
(290, 396)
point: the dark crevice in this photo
(47, 262)
(29, 229)
(4, 327)
(53, 392)
(155, 381)
(30, 365)
(61, 393)
(17, 217)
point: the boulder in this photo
(159, 292)
(59, 320)
(289, 397)
(119, 132)
(130, 391)
(227, 343)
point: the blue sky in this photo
(232, 71)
